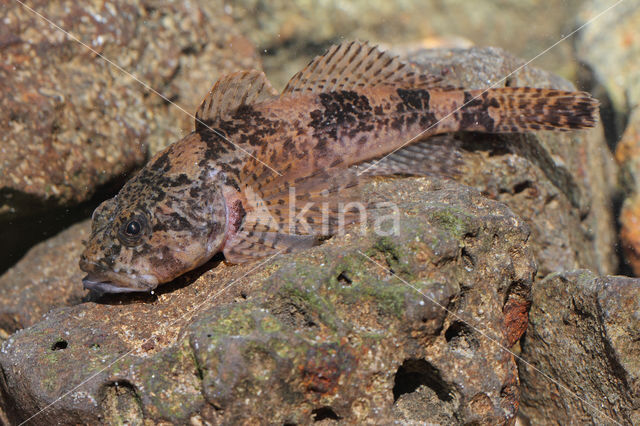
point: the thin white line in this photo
(210, 298)
(145, 85)
(460, 318)
(493, 85)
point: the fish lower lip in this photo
(104, 286)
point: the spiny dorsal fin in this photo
(356, 65)
(230, 93)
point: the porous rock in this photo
(581, 353)
(365, 327)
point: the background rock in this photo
(290, 33)
(48, 276)
(324, 334)
(610, 48)
(584, 332)
(70, 122)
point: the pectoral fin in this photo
(285, 214)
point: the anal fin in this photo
(438, 156)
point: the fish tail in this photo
(525, 109)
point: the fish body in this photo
(265, 173)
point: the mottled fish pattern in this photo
(265, 173)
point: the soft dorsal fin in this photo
(230, 93)
(356, 65)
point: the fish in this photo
(265, 173)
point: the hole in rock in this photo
(457, 329)
(467, 258)
(121, 401)
(414, 373)
(324, 413)
(460, 335)
(294, 315)
(522, 186)
(344, 279)
(60, 344)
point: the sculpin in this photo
(265, 173)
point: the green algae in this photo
(452, 219)
(175, 393)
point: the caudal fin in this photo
(524, 109)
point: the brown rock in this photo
(628, 155)
(630, 232)
(47, 277)
(324, 334)
(583, 333)
(610, 50)
(292, 32)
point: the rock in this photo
(47, 277)
(290, 33)
(325, 334)
(70, 122)
(561, 184)
(610, 50)
(609, 47)
(584, 335)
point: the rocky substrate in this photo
(362, 327)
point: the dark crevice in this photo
(612, 122)
(121, 400)
(460, 335)
(343, 278)
(455, 330)
(59, 345)
(522, 186)
(324, 413)
(624, 267)
(467, 258)
(414, 373)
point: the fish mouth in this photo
(103, 283)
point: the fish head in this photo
(163, 223)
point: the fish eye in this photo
(132, 230)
